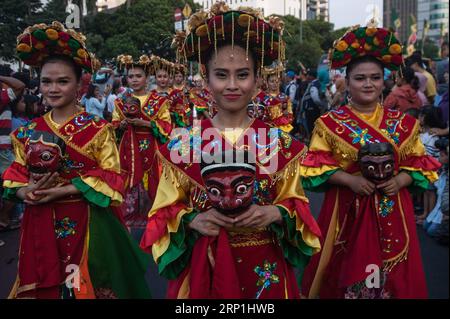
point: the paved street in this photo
(435, 259)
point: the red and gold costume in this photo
(366, 230)
(201, 100)
(77, 230)
(180, 107)
(239, 262)
(277, 109)
(138, 146)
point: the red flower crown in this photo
(40, 41)
(360, 41)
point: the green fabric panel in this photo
(10, 194)
(295, 250)
(318, 183)
(90, 194)
(157, 134)
(178, 120)
(115, 260)
(419, 184)
(178, 254)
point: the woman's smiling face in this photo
(231, 78)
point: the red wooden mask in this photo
(44, 153)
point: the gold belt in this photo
(248, 239)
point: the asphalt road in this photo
(435, 259)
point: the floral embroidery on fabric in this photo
(360, 136)
(153, 104)
(361, 291)
(266, 277)
(69, 164)
(391, 130)
(27, 130)
(143, 145)
(386, 206)
(64, 228)
(261, 194)
(82, 122)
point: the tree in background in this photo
(317, 38)
(15, 15)
(146, 27)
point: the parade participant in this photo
(180, 71)
(141, 134)
(67, 171)
(163, 70)
(179, 96)
(205, 253)
(277, 105)
(366, 226)
(201, 99)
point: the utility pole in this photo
(301, 23)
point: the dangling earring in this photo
(382, 99)
(349, 98)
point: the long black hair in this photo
(410, 77)
(432, 117)
(91, 91)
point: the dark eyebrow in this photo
(59, 79)
(226, 70)
(364, 74)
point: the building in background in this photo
(398, 15)
(306, 9)
(432, 17)
(109, 4)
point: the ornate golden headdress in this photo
(276, 69)
(159, 63)
(220, 24)
(125, 61)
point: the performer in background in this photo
(142, 120)
(366, 222)
(277, 107)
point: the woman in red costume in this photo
(144, 125)
(179, 96)
(67, 171)
(277, 107)
(252, 252)
(370, 247)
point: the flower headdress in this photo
(41, 40)
(360, 41)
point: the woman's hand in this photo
(258, 217)
(51, 194)
(395, 184)
(46, 181)
(45, 196)
(361, 185)
(209, 222)
(123, 125)
(138, 122)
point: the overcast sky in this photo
(346, 13)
